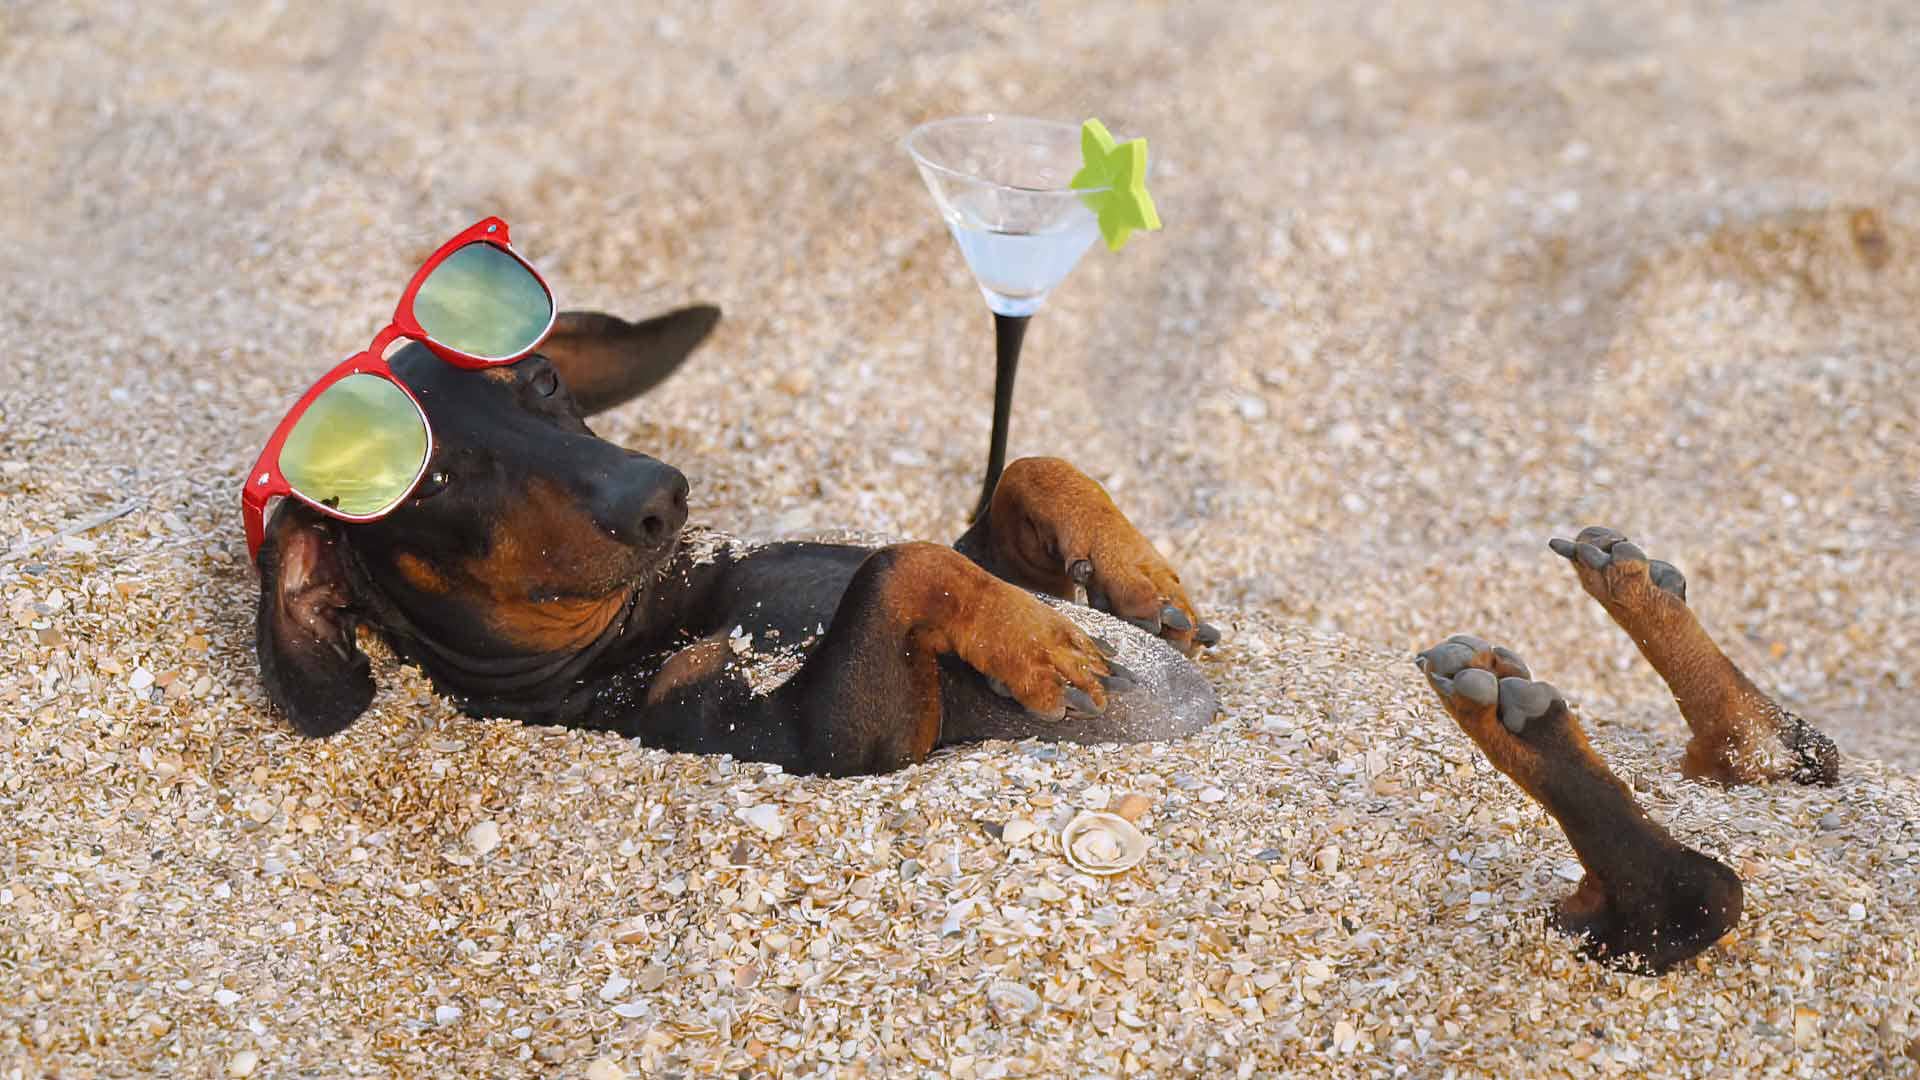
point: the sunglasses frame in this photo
(265, 482)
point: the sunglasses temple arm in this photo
(255, 502)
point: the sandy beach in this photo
(1434, 286)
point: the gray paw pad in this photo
(1668, 576)
(1522, 700)
(1477, 644)
(1600, 536)
(1449, 657)
(1478, 686)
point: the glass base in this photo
(1012, 306)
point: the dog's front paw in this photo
(1038, 657)
(1125, 576)
(1055, 528)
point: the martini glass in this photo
(1003, 184)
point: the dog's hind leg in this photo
(1647, 901)
(1740, 735)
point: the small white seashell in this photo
(447, 1014)
(1857, 912)
(484, 836)
(605, 1069)
(1096, 797)
(243, 1063)
(224, 997)
(1327, 859)
(140, 679)
(616, 986)
(765, 817)
(1212, 795)
(1011, 1001)
(1570, 871)
(1017, 830)
(1097, 842)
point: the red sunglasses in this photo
(357, 442)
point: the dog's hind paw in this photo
(1740, 735)
(1617, 573)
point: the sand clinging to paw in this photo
(1435, 285)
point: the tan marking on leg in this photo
(688, 666)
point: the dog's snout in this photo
(646, 505)
(665, 511)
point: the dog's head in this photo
(524, 538)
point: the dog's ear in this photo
(605, 361)
(304, 630)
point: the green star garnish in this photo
(1121, 169)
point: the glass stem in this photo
(1008, 332)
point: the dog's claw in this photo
(1175, 619)
(1117, 670)
(1117, 684)
(998, 687)
(1106, 647)
(1080, 571)
(1206, 634)
(1078, 701)
(1562, 548)
(1097, 599)
(1151, 626)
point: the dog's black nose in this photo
(647, 504)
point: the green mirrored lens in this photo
(483, 302)
(358, 448)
